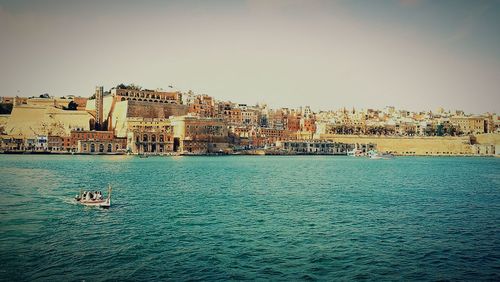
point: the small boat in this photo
(355, 153)
(102, 203)
(380, 156)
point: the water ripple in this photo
(249, 218)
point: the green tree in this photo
(72, 106)
(6, 109)
(440, 130)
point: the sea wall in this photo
(424, 146)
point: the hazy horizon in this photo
(411, 54)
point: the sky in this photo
(412, 54)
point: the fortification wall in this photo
(119, 119)
(155, 110)
(424, 146)
(488, 139)
(30, 121)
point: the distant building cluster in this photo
(128, 119)
(393, 122)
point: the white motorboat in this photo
(380, 156)
(88, 199)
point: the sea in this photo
(325, 218)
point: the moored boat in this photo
(86, 198)
(380, 156)
(355, 153)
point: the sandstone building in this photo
(150, 136)
(195, 135)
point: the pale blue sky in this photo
(413, 54)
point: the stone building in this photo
(233, 116)
(91, 141)
(196, 135)
(147, 96)
(293, 122)
(91, 136)
(315, 147)
(269, 136)
(250, 117)
(12, 143)
(117, 113)
(470, 125)
(308, 124)
(150, 136)
(54, 143)
(202, 106)
(59, 143)
(115, 145)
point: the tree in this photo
(72, 106)
(121, 86)
(440, 130)
(6, 109)
(130, 86)
(430, 131)
(410, 131)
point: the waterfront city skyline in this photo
(229, 140)
(415, 55)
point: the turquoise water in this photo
(236, 218)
